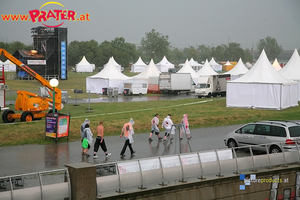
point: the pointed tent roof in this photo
(164, 65)
(276, 65)
(292, 68)
(238, 69)
(213, 62)
(111, 72)
(114, 62)
(140, 62)
(263, 72)
(83, 61)
(151, 70)
(187, 68)
(206, 70)
(194, 63)
(228, 63)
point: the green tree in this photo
(176, 56)
(191, 52)
(233, 52)
(155, 45)
(271, 47)
(205, 52)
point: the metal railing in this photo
(135, 175)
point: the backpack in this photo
(127, 128)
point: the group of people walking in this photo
(127, 131)
(167, 124)
(87, 138)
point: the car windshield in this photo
(201, 85)
(294, 131)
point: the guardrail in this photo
(135, 175)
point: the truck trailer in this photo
(176, 83)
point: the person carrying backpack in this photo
(128, 132)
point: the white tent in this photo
(9, 66)
(139, 66)
(262, 87)
(206, 70)
(228, 63)
(291, 70)
(112, 60)
(214, 65)
(238, 70)
(84, 66)
(151, 70)
(188, 69)
(276, 65)
(195, 65)
(164, 65)
(110, 76)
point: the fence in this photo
(135, 175)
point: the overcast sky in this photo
(186, 22)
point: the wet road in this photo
(35, 158)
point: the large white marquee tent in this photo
(292, 70)
(164, 65)
(238, 70)
(214, 65)
(139, 66)
(262, 87)
(112, 61)
(206, 70)
(84, 66)
(110, 76)
(188, 69)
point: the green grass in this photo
(115, 114)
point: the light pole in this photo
(54, 84)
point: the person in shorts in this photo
(154, 127)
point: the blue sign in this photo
(63, 60)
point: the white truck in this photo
(212, 86)
(176, 83)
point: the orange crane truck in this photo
(32, 105)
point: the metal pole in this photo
(53, 108)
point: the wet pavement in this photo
(23, 159)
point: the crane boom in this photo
(35, 75)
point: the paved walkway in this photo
(35, 158)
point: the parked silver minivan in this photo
(265, 132)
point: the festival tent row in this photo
(84, 66)
(139, 66)
(164, 65)
(292, 70)
(262, 87)
(108, 77)
(8, 66)
(187, 68)
(238, 70)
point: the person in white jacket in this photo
(167, 125)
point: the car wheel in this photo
(275, 149)
(232, 143)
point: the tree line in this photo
(153, 46)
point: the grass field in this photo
(201, 112)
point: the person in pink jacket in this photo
(185, 127)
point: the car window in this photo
(294, 131)
(248, 129)
(262, 129)
(278, 131)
